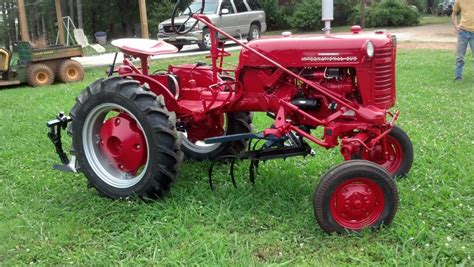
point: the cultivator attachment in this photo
(54, 133)
(287, 146)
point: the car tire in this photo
(254, 32)
(205, 43)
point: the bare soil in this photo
(434, 36)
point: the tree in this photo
(362, 13)
(80, 22)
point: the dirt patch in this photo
(425, 45)
(435, 36)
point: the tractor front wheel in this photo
(39, 75)
(354, 195)
(394, 152)
(125, 140)
(70, 71)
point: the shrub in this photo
(391, 13)
(277, 16)
(307, 15)
(344, 10)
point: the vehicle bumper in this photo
(194, 37)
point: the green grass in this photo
(432, 19)
(52, 218)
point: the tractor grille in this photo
(169, 29)
(384, 80)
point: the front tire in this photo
(205, 43)
(254, 32)
(355, 195)
(398, 157)
(125, 140)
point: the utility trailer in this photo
(39, 67)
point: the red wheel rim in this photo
(390, 158)
(357, 203)
(123, 143)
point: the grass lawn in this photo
(52, 218)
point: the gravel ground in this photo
(435, 36)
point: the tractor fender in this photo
(157, 88)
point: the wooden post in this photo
(143, 18)
(59, 16)
(23, 24)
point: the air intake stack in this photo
(328, 15)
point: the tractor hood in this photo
(313, 51)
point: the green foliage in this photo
(344, 10)
(277, 16)
(420, 4)
(390, 13)
(307, 15)
(158, 12)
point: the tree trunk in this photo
(71, 10)
(44, 32)
(6, 27)
(12, 15)
(79, 14)
(362, 13)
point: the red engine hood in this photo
(319, 50)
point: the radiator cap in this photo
(356, 29)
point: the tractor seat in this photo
(143, 47)
(5, 57)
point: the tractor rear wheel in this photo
(397, 158)
(70, 71)
(39, 75)
(232, 123)
(354, 195)
(125, 140)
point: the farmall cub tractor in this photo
(130, 131)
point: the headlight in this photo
(160, 27)
(370, 49)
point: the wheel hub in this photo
(123, 143)
(72, 73)
(357, 203)
(389, 158)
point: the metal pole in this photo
(327, 15)
(143, 18)
(59, 17)
(23, 24)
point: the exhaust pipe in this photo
(327, 16)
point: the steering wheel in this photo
(183, 25)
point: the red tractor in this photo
(130, 131)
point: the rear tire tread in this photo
(163, 177)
